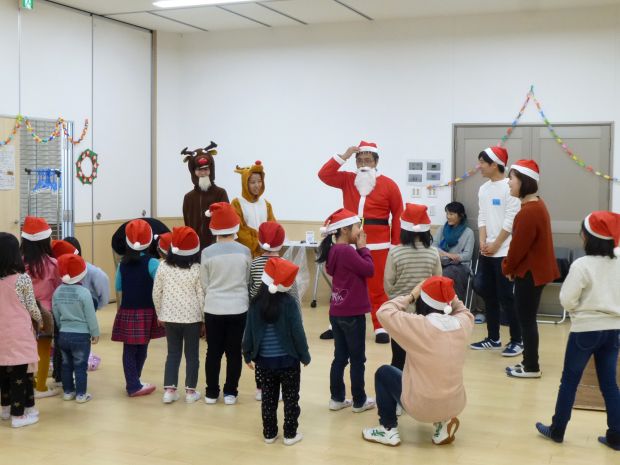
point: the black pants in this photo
(527, 297)
(224, 335)
(289, 380)
(398, 355)
(14, 382)
(179, 335)
(496, 290)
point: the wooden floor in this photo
(497, 426)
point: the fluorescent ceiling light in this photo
(182, 3)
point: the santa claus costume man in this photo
(197, 201)
(375, 198)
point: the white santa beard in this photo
(204, 183)
(365, 181)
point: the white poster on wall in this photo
(7, 167)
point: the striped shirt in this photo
(407, 267)
(256, 274)
(270, 345)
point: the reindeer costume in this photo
(252, 209)
(197, 201)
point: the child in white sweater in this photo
(179, 299)
(591, 295)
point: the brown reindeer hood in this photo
(200, 157)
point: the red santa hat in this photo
(605, 225)
(279, 274)
(415, 218)
(185, 242)
(139, 234)
(72, 268)
(368, 147)
(339, 219)
(528, 168)
(224, 219)
(36, 229)
(271, 236)
(60, 248)
(438, 293)
(498, 154)
(163, 241)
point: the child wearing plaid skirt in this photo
(136, 321)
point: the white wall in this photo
(57, 80)
(292, 97)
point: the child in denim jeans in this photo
(350, 269)
(74, 313)
(591, 295)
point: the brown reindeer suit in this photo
(197, 201)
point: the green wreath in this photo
(78, 165)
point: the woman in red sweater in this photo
(530, 261)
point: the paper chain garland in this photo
(78, 166)
(60, 124)
(575, 157)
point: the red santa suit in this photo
(375, 209)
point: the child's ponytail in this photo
(326, 245)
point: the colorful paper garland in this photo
(578, 160)
(78, 166)
(60, 124)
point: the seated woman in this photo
(430, 387)
(456, 246)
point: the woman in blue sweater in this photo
(275, 341)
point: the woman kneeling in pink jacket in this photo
(435, 338)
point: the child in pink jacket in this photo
(435, 338)
(18, 347)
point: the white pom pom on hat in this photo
(273, 288)
(208, 213)
(617, 251)
(174, 249)
(66, 278)
(266, 245)
(447, 309)
(136, 244)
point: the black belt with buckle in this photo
(376, 222)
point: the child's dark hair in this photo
(596, 246)
(458, 208)
(181, 261)
(422, 308)
(482, 156)
(327, 242)
(34, 254)
(409, 238)
(269, 304)
(131, 256)
(528, 185)
(74, 242)
(10, 259)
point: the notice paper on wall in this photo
(7, 167)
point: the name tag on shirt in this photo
(497, 202)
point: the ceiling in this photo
(301, 13)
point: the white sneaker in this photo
(31, 411)
(270, 440)
(191, 396)
(6, 412)
(399, 410)
(170, 396)
(280, 399)
(445, 431)
(335, 405)
(49, 393)
(24, 420)
(210, 400)
(57, 384)
(68, 396)
(259, 395)
(290, 441)
(368, 405)
(83, 398)
(230, 400)
(389, 437)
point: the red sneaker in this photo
(145, 391)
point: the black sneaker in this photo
(382, 338)
(329, 334)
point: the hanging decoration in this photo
(84, 178)
(61, 124)
(575, 157)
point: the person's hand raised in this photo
(349, 152)
(361, 239)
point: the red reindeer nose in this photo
(203, 161)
